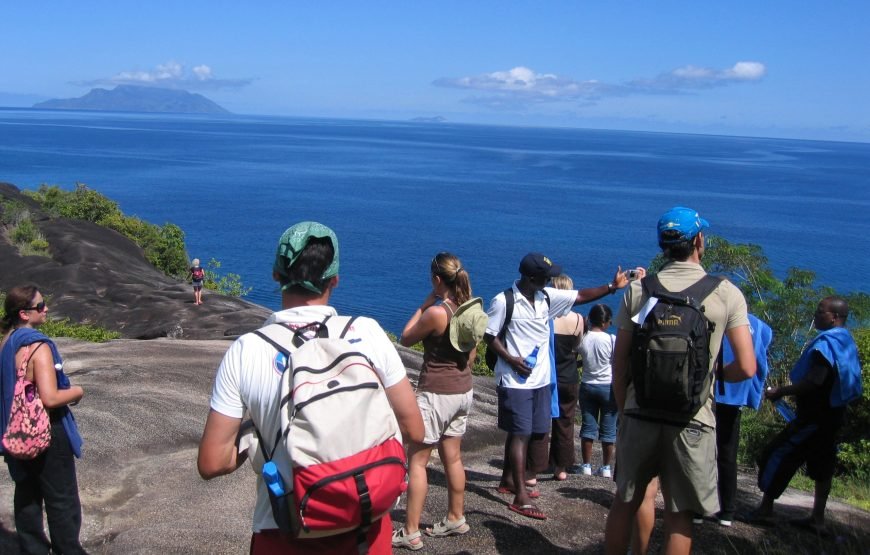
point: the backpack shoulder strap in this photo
(702, 288)
(508, 311)
(652, 286)
(274, 334)
(546, 298)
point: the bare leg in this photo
(820, 501)
(513, 474)
(449, 451)
(418, 484)
(617, 530)
(644, 520)
(678, 533)
(607, 451)
(766, 507)
(586, 450)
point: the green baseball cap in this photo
(293, 242)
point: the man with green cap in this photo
(248, 380)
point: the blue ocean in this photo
(398, 192)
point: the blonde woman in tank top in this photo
(444, 395)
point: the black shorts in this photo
(810, 443)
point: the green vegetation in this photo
(163, 246)
(225, 284)
(66, 328)
(21, 229)
(788, 306)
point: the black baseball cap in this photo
(536, 264)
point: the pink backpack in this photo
(28, 433)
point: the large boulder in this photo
(96, 275)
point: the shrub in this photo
(85, 332)
(24, 232)
(162, 246)
(13, 211)
(65, 328)
(226, 284)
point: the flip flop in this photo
(532, 493)
(810, 525)
(529, 511)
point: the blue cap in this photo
(684, 220)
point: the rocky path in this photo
(145, 405)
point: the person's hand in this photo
(620, 279)
(520, 367)
(773, 393)
(641, 272)
(430, 300)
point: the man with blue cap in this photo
(248, 381)
(650, 442)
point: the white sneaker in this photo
(605, 471)
(586, 470)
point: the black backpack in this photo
(670, 350)
(491, 358)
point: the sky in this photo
(794, 69)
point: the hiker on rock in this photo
(254, 378)
(518, 333)
(42, 465)
(826, 377)
(197, 276)
(667, 430)
(450, 323)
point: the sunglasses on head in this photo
(39, 307)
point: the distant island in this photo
(433, 119)
(131, 98)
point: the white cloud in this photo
(525, 83)
(694, 77)
(171, 75)
(521, 85)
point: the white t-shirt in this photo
(597, 350)
(529, 328)
(249, 376)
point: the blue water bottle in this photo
(531, 361)
(273, 479)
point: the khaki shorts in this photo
(684, 459)
(444, 415)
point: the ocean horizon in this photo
(397, 192)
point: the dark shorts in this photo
(813, 443)
(524, 411)
(197, 285)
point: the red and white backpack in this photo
(338, 430)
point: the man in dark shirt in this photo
(826, 377)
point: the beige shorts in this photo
(444, 415)
(684, 459)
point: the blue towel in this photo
(554, 379)
(840, 350)
(748, 392)
(9, 374)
